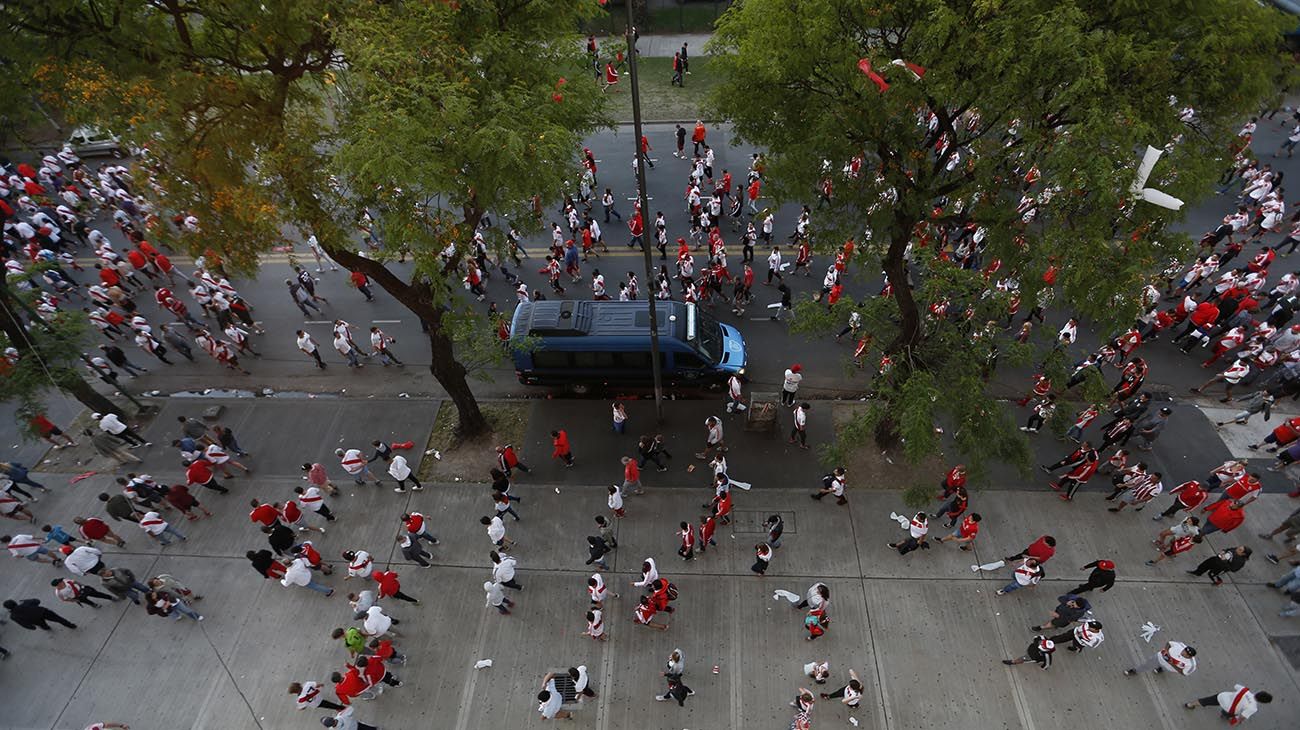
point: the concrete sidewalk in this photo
(911, 626)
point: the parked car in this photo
(92, 142)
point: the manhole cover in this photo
(1290, 646)
(564, 683)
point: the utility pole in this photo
(655, 366)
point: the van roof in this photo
(578, 319)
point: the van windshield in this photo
(709, 339)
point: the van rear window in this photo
(587, 360)
(550, 359)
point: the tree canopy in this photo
(253, 122)
(1021, 120)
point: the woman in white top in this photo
(620, 418)
(850, 694)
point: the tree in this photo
(1008, 90)
(448, 114)
(236, 102)
(46, 353)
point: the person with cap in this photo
(1102, 576)
(1040, 652)
(1175, 657)
(1235, 705)
(1149, 428)
(1087, 635)
(790, 385)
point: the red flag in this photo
(917, 71)
(864, 65)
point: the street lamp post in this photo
(655, 367)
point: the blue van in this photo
(581, 345)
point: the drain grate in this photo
(1290, 648)
(751, 521)
(564, 683)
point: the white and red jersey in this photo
(1028, 575)
(1086, 416)
(215, 454)
(67, 590)
(1236, 371)
(1171, 659)
(1147, 490)
(596, 626)
(644, 612)
(1087, 637)
(20, 546)
(919, 527)
(1189, 494)
(687, 536)
(352, 461)
(359, 566)
(311, 499)
(309, 696)
(1238, 703)
(598, 591)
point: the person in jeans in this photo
(299, 574)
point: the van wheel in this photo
(580, 389)
(117, 153)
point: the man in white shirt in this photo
(581, 682)
(354, 463)
(549, 700)
(110, 424)
(83, 560)
(503, 570)
(156, 527)
(26, 546)
(359, 564)
(850, 694)
(496, 530)
(496, 597)
(401, 471)
(308, 346)
(345, 719)
(1237, 704)
(1176, 657)
(790, 385)
(377, 623)
(309, 696)
(299, 574)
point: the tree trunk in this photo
(73, 384)
(450, 373)
(417, 297)
(895, 266)
(65, 378)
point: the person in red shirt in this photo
(108, 277)
(645, 151)
(362, 283)
(384, 649)
(199, 472)
(265, 515)
(560, 440)
(1284, 434)
(754, 192)
(179, 497)
(308, 552)
(1187, 496)
(686, 533)
(352, 684)
(698, 135)
(93, 528)
(722, 507)
(49, 431)
(1225, 516)
(508, 460)
(965, 533)
(1041, 550)
(644, 614)
(372, 668)
(631, 476)
(708, 523)
(389, 587)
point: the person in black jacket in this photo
(1069, 608)
(263, 562)
(31, 615)
(597, 547)
(1102, 576)
(280, 537)
(1227, 561)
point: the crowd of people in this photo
(1242, 316)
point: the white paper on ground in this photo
(741, 485)
(988, 566)
(482, 663)
(793, 598)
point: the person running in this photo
(1240, 702)
(1040, 652)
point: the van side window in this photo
(634, 360)
(550, 359)
(688, 360)
(587, 360)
